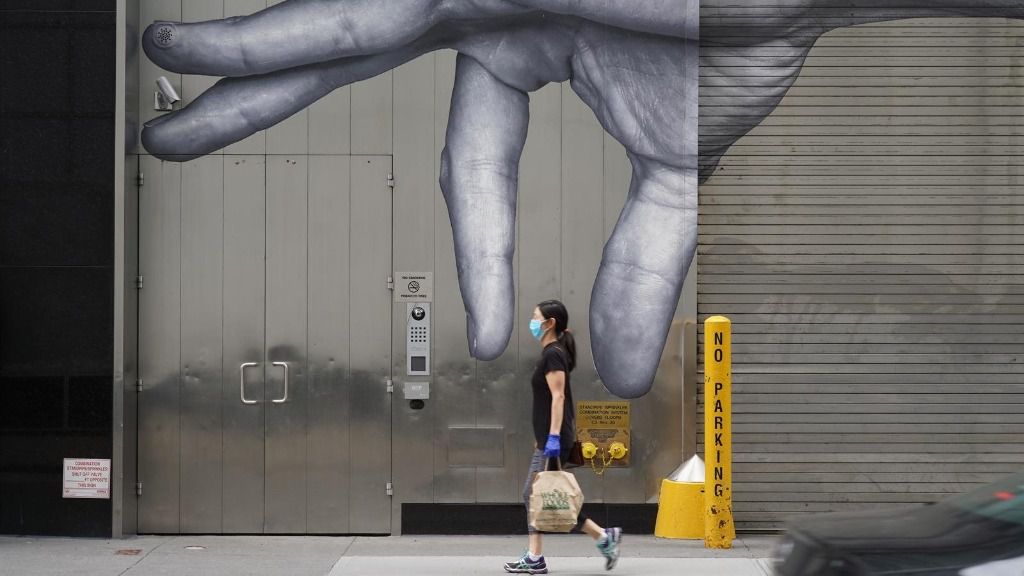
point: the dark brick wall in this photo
(57, 84)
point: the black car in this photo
(979, 533)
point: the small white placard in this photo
(416, 390)
(86, 478)
(414, 286)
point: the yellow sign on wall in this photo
(604, 423)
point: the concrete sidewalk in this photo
(364, 556)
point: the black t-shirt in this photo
(554, 358)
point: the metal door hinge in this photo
(391, 283)
(138, 385)
(138, 282)
(391, 180)
(138, 488)
(140, 180)
(391, 386)
(390, 489)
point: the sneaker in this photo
(525, 566)
(609, 547)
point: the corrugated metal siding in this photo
(866, 239)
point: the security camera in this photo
(165, 95)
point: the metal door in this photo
(265, 345)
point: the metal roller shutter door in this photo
(867, 241)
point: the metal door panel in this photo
(453, 371)
(202, 233)
(257, 143)
(327, 439)
(502, 384)
(615, 485)
(413, 218)
(618, 173)
(159, 334)
(330, 123)
(285, 365)
(581, 242)
(200, 10)
(290, 136)
(371, 119)
(499, 385)
(583, 238)
(244, 294)
(540, 210)
(537, 241)
(370, 341)
(582, 190)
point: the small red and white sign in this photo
(86, 478)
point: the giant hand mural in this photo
(635, 63)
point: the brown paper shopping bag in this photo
(555, 501)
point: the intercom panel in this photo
(417, 339)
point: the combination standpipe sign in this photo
(604, 423)
(86, 478)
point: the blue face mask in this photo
(535, 328)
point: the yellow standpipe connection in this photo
(617, 450)
(592, 452)
(719, 530)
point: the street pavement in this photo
(366, 556)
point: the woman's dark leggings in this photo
(537, 464)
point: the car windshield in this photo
(1003, 500)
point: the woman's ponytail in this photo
(569, 341)
(555, 309)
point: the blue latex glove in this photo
(553, 447)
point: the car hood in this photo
(938, 538)
(927, 525)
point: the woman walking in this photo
(554, 428)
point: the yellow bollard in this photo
(719, 530)
(681, 504)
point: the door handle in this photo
(285, 397)
(241, 369)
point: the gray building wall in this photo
(573, 183)
(861, 238)
(864, 240)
